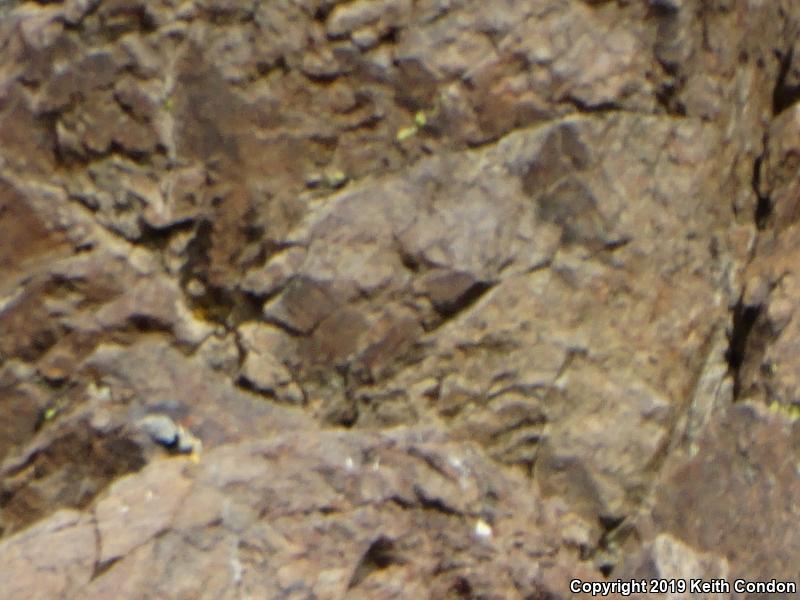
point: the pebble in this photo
(163, 430)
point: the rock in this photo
(27, 238)
(220, 353)
(669, 559)
(53, 558)
(158, 378)
(164, 431)
(765, 484)
(275, 274)
(463, 299)
(47, 470)
(261, 370)
(230, 505)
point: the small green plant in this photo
(420, 121)
(50, 412)
(335, 178)
(790, 411)
(406, 133)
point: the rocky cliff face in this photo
(396, 299)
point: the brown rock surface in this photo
(446, 299)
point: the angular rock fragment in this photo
(163, 430)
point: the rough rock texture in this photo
(460, 299)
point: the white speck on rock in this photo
(236, 566)
(483, 530)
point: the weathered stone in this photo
(27, 241)
(275, 274)
(764, 484)
(156, 377)
(164, 431)
(303, 305)
(261, 369)
(668, 559)
(342, 518)
(55, 558)
(526, 271)
(139, 509)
